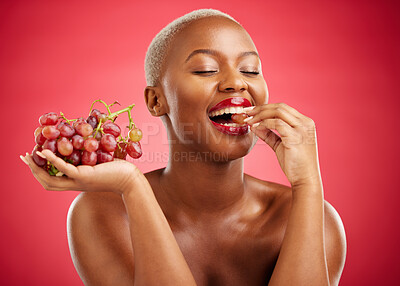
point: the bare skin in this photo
(205, 222)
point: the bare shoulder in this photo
(99, 239)
(335, 243)
(279, 198)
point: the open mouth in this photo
(225, 113)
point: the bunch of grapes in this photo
(94, 140)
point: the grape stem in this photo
(67, 120)
(114, 115)
(105, 104)
(97, 129)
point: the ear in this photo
(155, 101)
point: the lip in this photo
(231, 102)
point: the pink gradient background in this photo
(335, 61)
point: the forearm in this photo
(302, 259)
(158, 259)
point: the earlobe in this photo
(155, 101)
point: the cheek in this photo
(259, 91)
(188, 100)
(193, 97)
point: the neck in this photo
(199, 183)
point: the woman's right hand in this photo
(117, 176)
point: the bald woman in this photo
(201, 220)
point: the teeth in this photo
(232, 110)
(231, 124)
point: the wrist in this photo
(130, 181)
(309, 184)
(135, 183)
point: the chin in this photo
(232, 148)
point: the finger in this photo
(279, 125)
(50, 183)
(282, 106)
(68, 169)
(267, 135)
(23, 159)
(268, 113)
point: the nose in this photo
(232, 81)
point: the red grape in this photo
(135, 134)
(103, 157)
(50, 118)
(95, 113)
(92, 121)
(98, 136)
(78, 121)
(108, 143)
(66, 130)
(102, 117)
(50, 132)
(120, 151)
(89, 158)
(111, 128)
(84, 129)
(239, 118)
(77, 142)
(38, 160)
(38, 130)
(40, 139)
(50, 144)
(134, 150)
(64, 146)
(91, 144)
(74, 158)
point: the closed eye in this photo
(250, 72)
(205, 72)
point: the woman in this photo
(201, 220)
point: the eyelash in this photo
(251, 72)
(204, 72)
(214, 71)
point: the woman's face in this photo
(212, 65)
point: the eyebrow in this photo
(215, 53)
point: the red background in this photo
(335, 61)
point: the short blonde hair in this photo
(158, 48)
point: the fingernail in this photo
(249, 108)
(248, 118)
(40, 154)
(255, 124)
(23, 159)
(27, 154)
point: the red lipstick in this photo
(220, 116)
(232, 101)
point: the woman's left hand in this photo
(296, 144)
